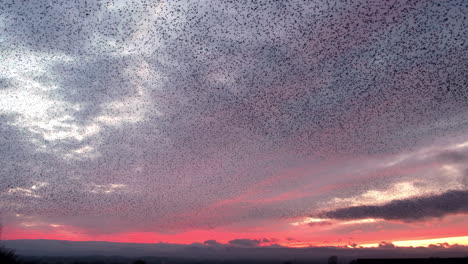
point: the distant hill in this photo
(61, 248)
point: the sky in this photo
(291, 123)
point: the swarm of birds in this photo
(152, 110)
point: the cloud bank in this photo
(451, 202)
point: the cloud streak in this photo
(245, 242)
(451, 202)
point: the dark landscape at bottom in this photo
(93, 252)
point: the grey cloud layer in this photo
(245, 242)
(452, 202)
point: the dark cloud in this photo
(353, 245)
(212, 243)
(451, 202)
(384, 244)
(465, 177)
(453, 156)
(321, 223)
(245, 242)
(440, 245)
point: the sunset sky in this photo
(249, 123)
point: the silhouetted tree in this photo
(333, 260)
(8, 256)
(139, 262)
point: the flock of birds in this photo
(186, 103)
